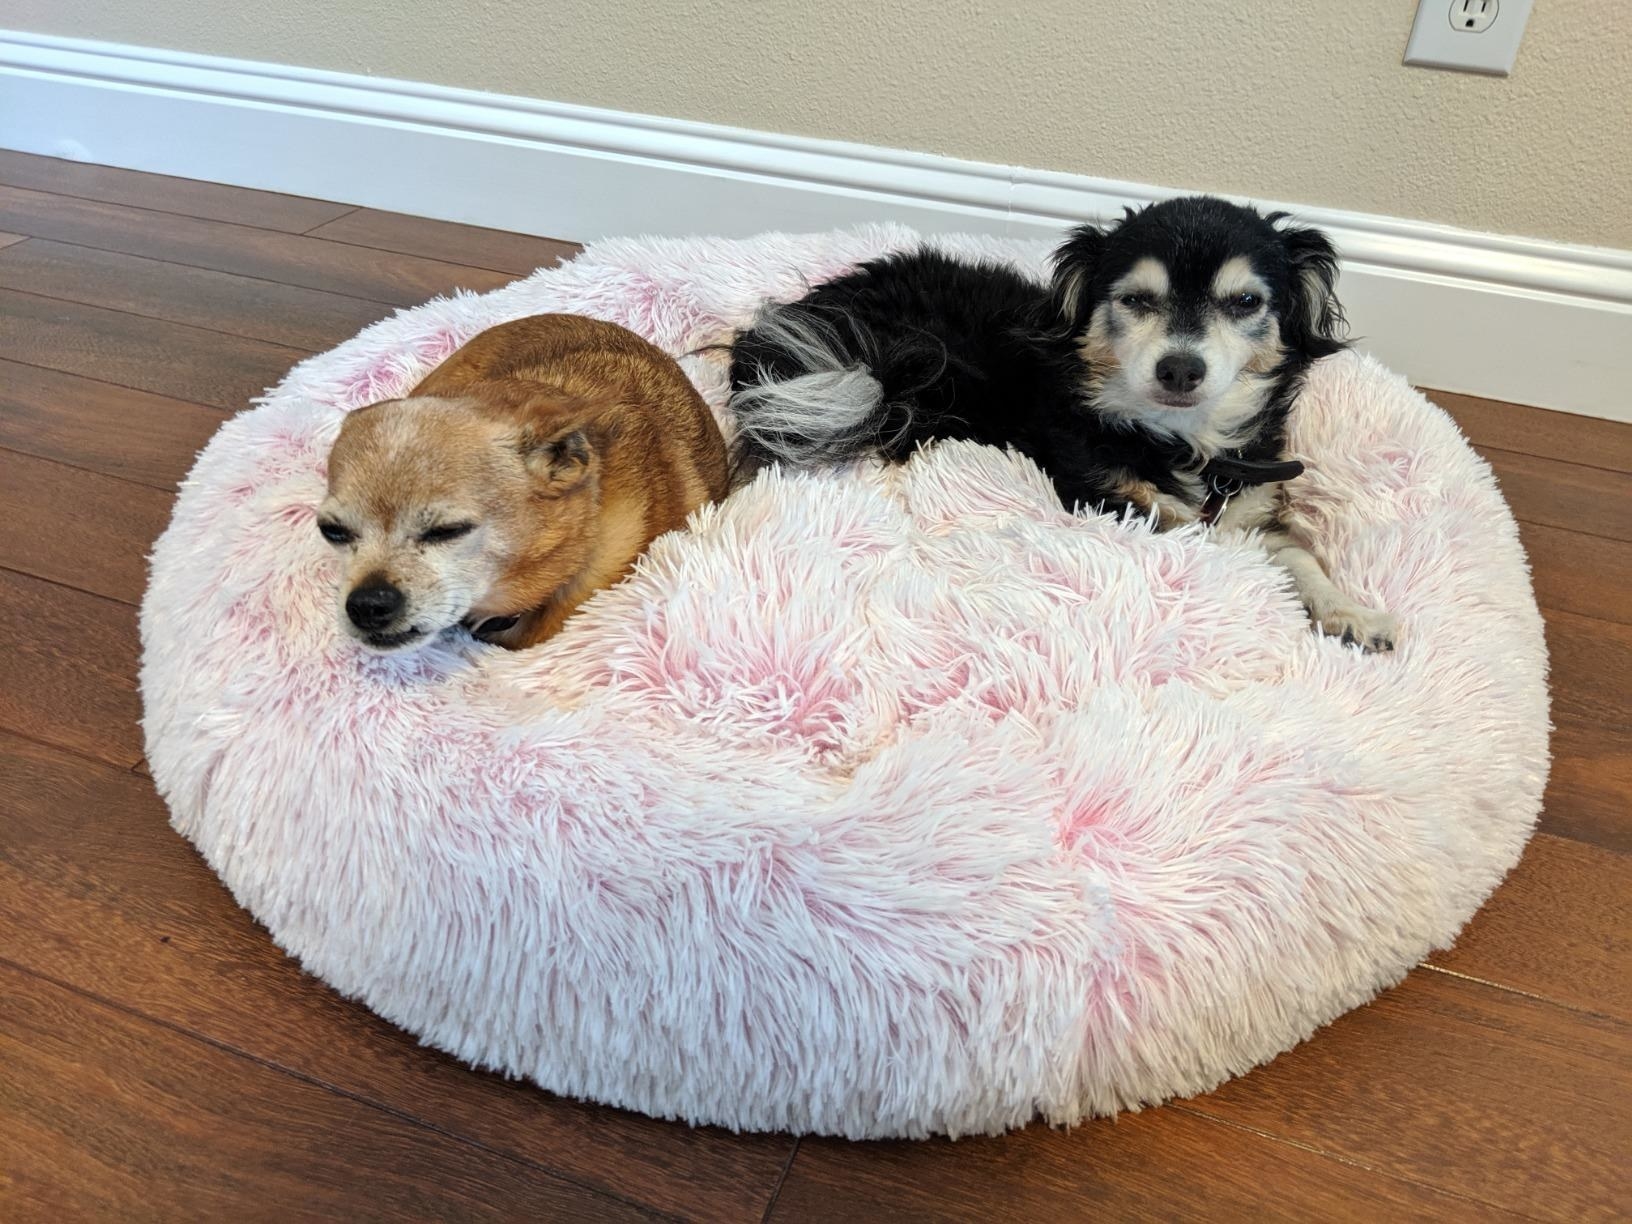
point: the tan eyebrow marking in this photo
(1236, 276)
(1147, 276)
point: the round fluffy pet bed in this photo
(883, 802)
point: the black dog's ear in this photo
(1313, 322)
(1075, 264)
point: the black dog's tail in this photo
(812, 385)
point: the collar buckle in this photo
(1219, 492)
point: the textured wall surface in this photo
(1307, 103)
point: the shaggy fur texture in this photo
(886, 801)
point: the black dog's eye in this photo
(336, 534)
(446, 532)
(1244, 303)
(1142, 303)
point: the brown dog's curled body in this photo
(526, 472)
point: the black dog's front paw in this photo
(1374, 632)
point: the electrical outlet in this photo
(1474, 16)
(1468, 35)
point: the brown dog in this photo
(525, 473)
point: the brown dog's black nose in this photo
(1181, 371)
(374, 605)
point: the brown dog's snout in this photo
(374, 603)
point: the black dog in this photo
(1156, 372)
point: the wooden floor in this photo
(160, 1059)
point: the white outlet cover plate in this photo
(1437, 43)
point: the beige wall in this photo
(1303, 101)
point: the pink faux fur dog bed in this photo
(884, 802)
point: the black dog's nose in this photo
(374, 605)
(1181, 371)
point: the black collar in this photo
(490, 627)
(1244, 473)
(1225, 477)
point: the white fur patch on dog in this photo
(885, 801)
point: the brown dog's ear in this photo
(559, 458)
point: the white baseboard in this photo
(1511, 318)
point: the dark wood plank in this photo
(134, 435)
(7, 240)
(148, 354)
(69, 674)
(290, 259)
(108, 1116)
(1559, 927)
(461, 244)
(1473, 1090)
(1591, 669)
(1573, 572)
(1539, 431)
(1556, 494)
(1164, 1164)
(305, 319)
(78, 528)
(266, 209)
(1589, 791)
(96, 890)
